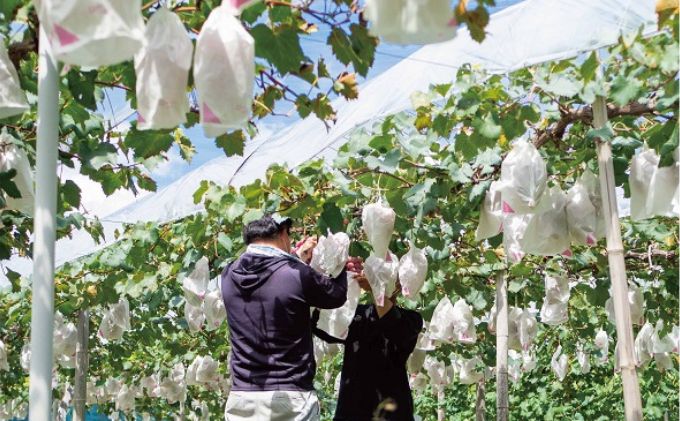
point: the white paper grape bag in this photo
(12, 98)
(643, 341)
(330, 254)
(547, 233)
(378, 223)
(411, 21)
(636, 301)
(652, 188)
(555, 304)
(25, 357)
(336, 322)
(514, 227)
(514, 365)
(206, 372)
(468, 372)
(116, 321)
(581, 215)
(513, 328)
(602, 344)
(214, 310)
(436, 370)
(173, 387)
(195, 284)
(14, 157)
(463, 323)
(418, 382)
(194, 317)
(412, 271)
(662, 200)
(559, 363)
(3, 357)
(527, 328)
(224, 72)
(152, 385)
(523, 179)
(661, 344)
(441, 324)
(583, 360)
(382, 276)
(592, 184)
(490, 214)
(65, 337)
(93, 33)
(528, 361)
(162, 70)
(125, 399)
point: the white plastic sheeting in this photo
(530, 32)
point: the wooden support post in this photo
(480, 405)
(441, 404)
(501, 347)
(617, 270)
(82, 365)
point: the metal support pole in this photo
(617, 270)
(44, 228)
(501, 347)
(82, 365)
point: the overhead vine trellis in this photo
(435, 184)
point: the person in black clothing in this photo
(374, 381)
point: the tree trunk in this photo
(501, 348)
(480, 405)
(82, 366)
(617, 270)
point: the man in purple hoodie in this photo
(268, 293)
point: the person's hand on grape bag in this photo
(355, 265)
(304, 248)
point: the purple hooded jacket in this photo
(268, 300)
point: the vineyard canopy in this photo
(528, 33)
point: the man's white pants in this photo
(272, 405)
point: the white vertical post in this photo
(617, 270)
(44, 228)
(501, 347)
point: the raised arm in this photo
(322, 291)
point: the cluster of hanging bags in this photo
(452, 323)
(382, 267)
(202, 371)
(94, 33)
(411, 21)
(173, 387)
(534, 218)
(330, 257)
(202, 306)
